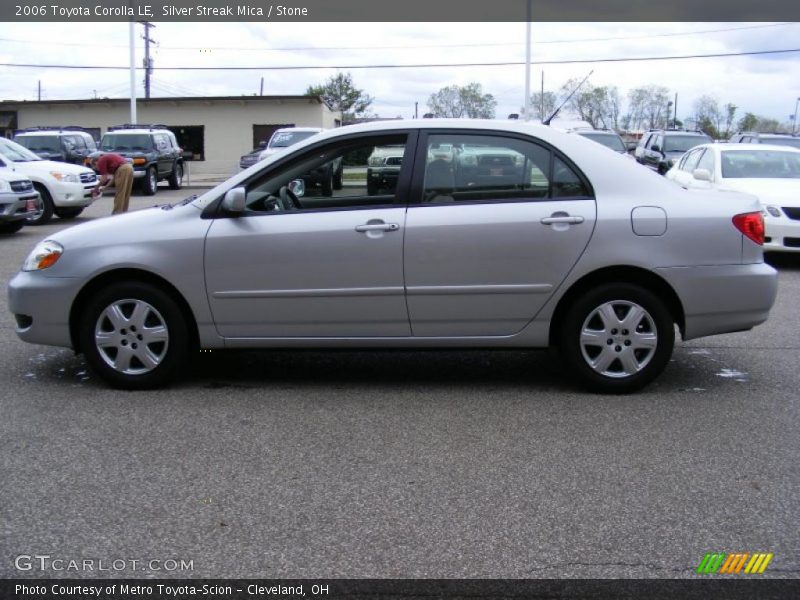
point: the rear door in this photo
(498, 222)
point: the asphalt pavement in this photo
(399, 464)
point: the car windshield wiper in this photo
(191, 198)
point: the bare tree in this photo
(463, 101)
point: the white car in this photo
(18, 200)
(280, 140)
(769, 172)
(64, 189)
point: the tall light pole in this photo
(132, 43)
(794, 121)
(527, 105)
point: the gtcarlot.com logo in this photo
(46, 562)
(738, 563)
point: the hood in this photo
(43, 167)
(10, 175)
(785, 192)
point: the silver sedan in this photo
(491, 234)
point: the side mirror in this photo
(235, 200)
(702, 174)
(655, 148)
(298, 187)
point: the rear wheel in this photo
(327, 183)
(134, 336)
(617, 338)
(45, 211)
(68, 213)
(337, 178)
(12, 227)
(176, 178)
(150, 182)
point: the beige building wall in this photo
(228, 122)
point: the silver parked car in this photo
(541, 238)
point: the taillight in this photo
(751, 225)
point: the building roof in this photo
(166, 99)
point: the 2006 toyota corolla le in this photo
(493, 234)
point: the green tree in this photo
(730, 114)
(463, 101)
(748, 122)
(340, 94)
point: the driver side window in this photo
(359, 173)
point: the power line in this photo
(407, 46)
(413, 66)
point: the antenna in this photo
(572, 93)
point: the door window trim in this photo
(401, 196)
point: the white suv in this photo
(65, 189)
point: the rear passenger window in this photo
(487, 168)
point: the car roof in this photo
(299, 129)
(53, 131)
(137, 131)
(748, 146)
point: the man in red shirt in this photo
(117, 171)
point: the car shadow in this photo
(783, 261)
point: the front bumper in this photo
(723, 299)
(41, 307)
(14, 207)
(68, 194)
(783, 234)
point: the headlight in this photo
(4, 186)
(774, 211)
(44, 255)
(375, 161)
(68, 177)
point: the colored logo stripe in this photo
(719, 562)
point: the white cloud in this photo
(764, 85)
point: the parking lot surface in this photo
(402, 464)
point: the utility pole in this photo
(527, 105)
(39, 94)
(147, 62)
(541, 100)
(675, 112)
(261, 89)
(416, 110)
(132, 46)
(794, 120)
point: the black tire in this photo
(12, 227)
(150, 182)
(158, 308)
(45, 204)
(627, 345)
(327, 184)
(337, 178)
(68, 213)
(372, 189)
(176, 177)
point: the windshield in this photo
(123, 142)
(791, 142)
(609, 140)
(16, 153)
(287, 138)
(682, 143)
(40, 143)
(760, 164)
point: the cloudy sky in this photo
(767, 85)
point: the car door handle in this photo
(377, 227)
(562, 219)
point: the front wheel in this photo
(134, 336)
(45, 209)
(617, 338)
(150, 182)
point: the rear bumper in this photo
(723, 299)
(783, 234)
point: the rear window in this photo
(782, 141)
(760, 164)
(287, 138)
(682, 143)
(609, 140)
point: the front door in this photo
(313, 266)
(500, 223)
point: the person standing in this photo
(115, 170)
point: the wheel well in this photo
(128, 276)
(619, 274)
